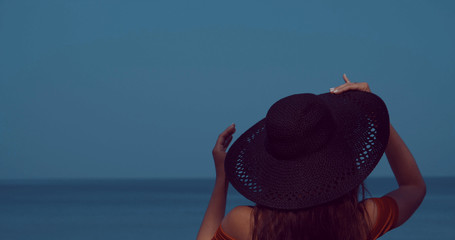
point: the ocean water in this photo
(165, 209)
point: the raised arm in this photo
(217, 205)
(411, 186)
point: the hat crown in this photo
(296, 125)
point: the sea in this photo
(137, 209)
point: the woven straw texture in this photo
(310, 149)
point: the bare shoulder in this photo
(237, 222)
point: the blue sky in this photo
(141, 89)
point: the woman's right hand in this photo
(350, 86)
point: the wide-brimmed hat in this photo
(309, 149)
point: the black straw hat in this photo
(309, 149)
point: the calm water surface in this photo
(165, 209)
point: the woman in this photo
(304, 165)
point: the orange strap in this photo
(387, 216)
(221, 235)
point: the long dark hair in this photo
(343, 218)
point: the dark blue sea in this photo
(165, 209)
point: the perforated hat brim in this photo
(359, 140)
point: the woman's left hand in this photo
(219, 151)
(363, 86)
